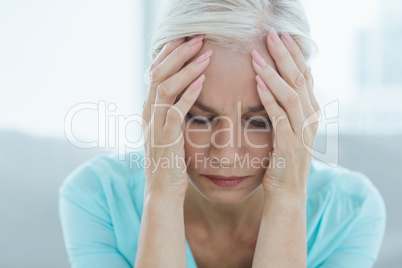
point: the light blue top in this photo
(101, 204)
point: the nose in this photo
(227, 143)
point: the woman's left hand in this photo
(288, 98)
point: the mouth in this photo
(226, 182)
(226, 178)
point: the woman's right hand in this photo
(163, 131)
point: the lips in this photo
(226, 182)
(229, 178)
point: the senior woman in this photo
(231, 99)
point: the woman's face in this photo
(229, 138)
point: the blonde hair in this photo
(233, 24)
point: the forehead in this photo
(230, 78)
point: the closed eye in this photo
(260, 123)
(203, 120)
(263, 123)
(199, 119)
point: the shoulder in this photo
(105, 175)
(341, 182)
(343, 191)
(343, 207)
(100, 208)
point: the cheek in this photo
(257, 144)
(257, 140)
(196, 144)
(196, 139)
(260, 146)
(194, 156)
(200, 141)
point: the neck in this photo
(232, 219)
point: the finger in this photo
(176, 114)
(170, 62)
(288, 70)
(282, 92)
(276, 114)
(156, 60)
(175, 60)
(169, 89)
(305, 69)
(165, 51)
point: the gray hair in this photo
(233, 24)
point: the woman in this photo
(231, 105)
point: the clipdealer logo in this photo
(109, 121)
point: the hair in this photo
(234, 24)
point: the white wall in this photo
(352, 40)
(57, 54)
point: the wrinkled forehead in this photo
(230, 78)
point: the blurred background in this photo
(66, 66)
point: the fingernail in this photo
(204, 56)
(261, 83)
(196, 40)
(287, 38)
(274, 36)
(198, 82)
(257, 57)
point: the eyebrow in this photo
(252, 109)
